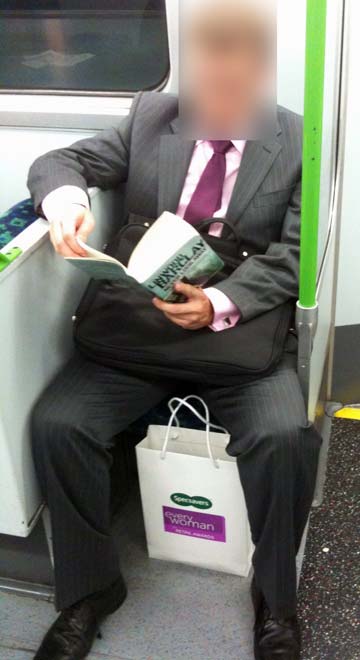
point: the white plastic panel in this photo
(321, 342)
(38, 294)
(291, 54)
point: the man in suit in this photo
(255, 184)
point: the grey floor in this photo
(173, 611)
(330, 579)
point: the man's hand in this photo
(75, 221)
(197, 312)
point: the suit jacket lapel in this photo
(174, 160)
(257, 160)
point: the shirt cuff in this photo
(226, 313)
(61, 198)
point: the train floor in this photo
(177, 612)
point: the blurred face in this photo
(228, 68)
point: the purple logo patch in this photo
(193, 523)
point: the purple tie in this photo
(207, 197)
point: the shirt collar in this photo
(238, 144)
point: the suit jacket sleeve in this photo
(101, 161)
(265, 281)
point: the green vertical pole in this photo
(313, 123)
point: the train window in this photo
(83, 46)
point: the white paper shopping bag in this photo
(192, 499)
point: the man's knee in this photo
(294, 437)
(281, 430)
(269, 437)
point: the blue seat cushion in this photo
(15, 220)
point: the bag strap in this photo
(204, 224)
(206, 419)
(130, 225)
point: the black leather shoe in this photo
(274, 639)
(72, 634)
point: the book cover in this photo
(172, 250)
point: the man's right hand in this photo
(74, 221)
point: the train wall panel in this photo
(19, 148)
(348, 298)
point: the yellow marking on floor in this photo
(348, 413)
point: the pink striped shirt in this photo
(226, 313)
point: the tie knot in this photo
(221, 146)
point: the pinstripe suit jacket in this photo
(147, 151)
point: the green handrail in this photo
(313, 124)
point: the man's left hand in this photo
(197, 312)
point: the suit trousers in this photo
(75, 423)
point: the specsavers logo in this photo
(181, 499)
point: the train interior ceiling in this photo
(68, 69)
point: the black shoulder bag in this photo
(117, 324)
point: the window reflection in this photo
(99, 46)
